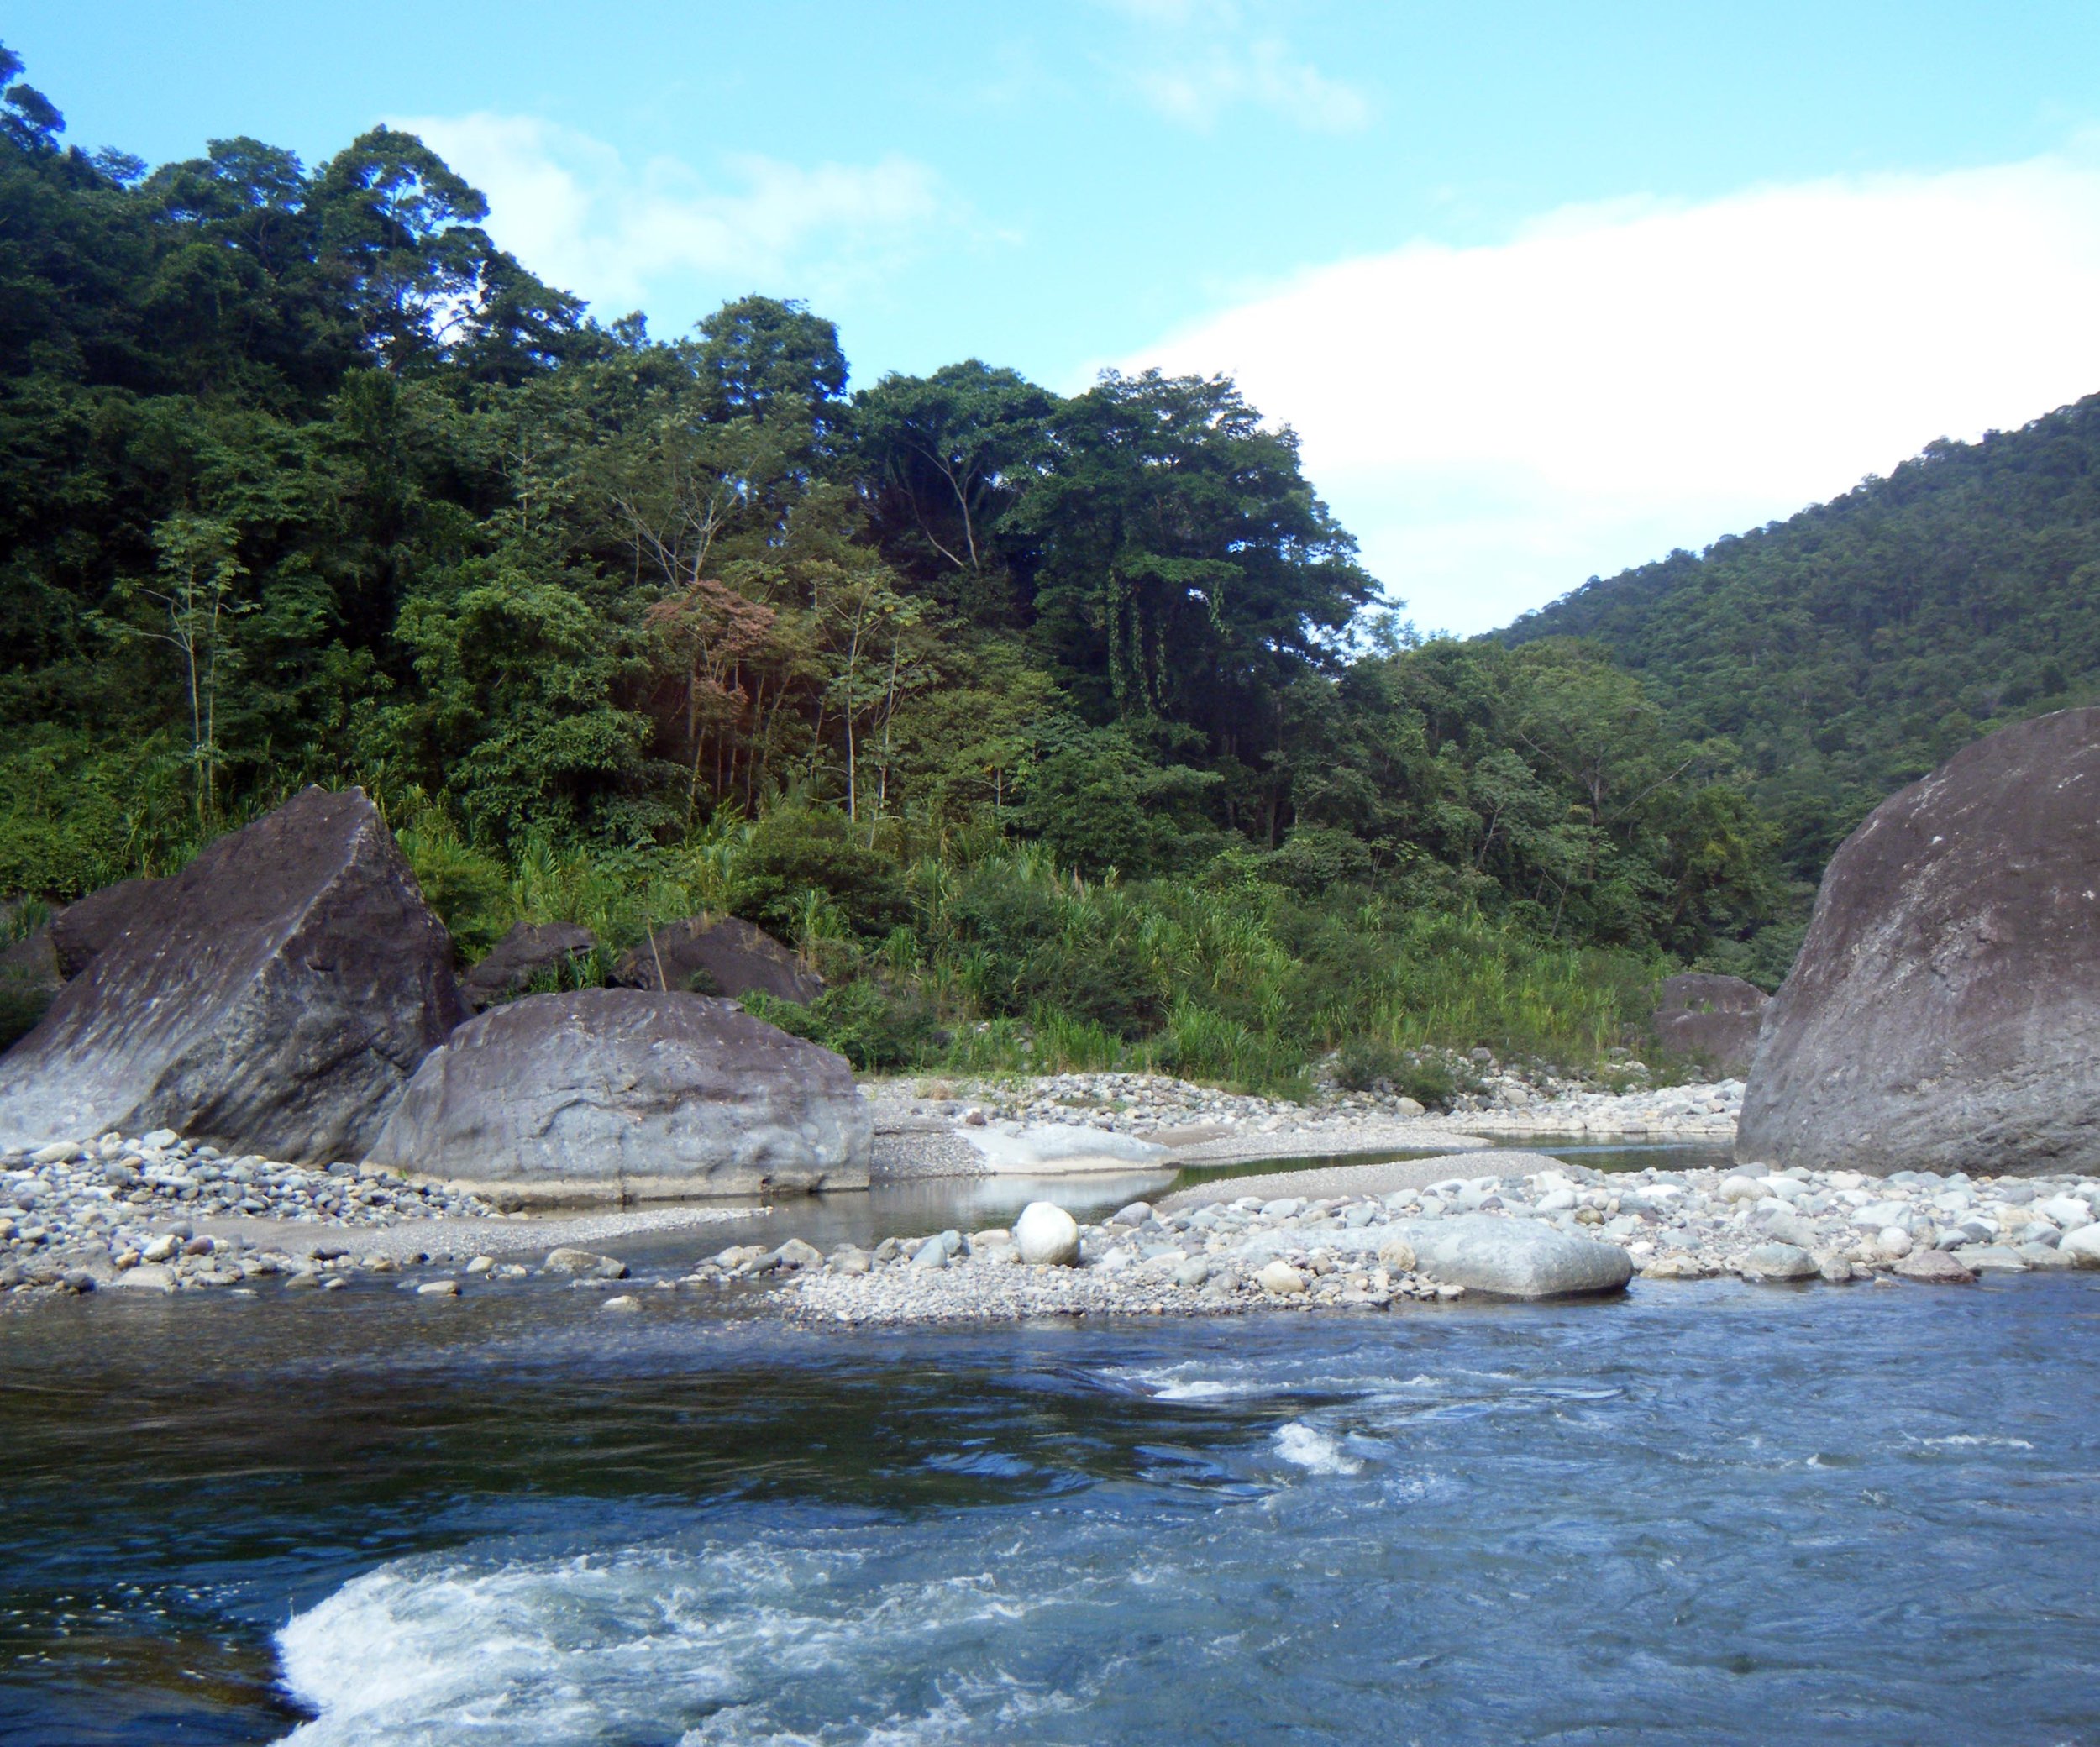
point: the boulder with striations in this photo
(728, 957)
(84, 929)
(630, 1094)
(1712, 1018)
(528, 951)
(276, 998)
(1512, 1258)
(1945, 1011)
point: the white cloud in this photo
(1197, 59)
(1497, 423)
(580, 216)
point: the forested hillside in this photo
(1852, 648)
(1066, 724)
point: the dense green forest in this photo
(1054, 729)
(1853, 647)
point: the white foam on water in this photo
(1174, 1382)
(961, 1715)
(1307, 1447)
(1964, 1440)
(613, 1647)
(1200, 1388)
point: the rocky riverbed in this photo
(1534, 1228)
(921, 1125)
(156, 1212)
(128, 1210)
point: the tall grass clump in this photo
(1009, 963)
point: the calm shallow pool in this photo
(1705, 1512)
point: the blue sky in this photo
(1546, 290)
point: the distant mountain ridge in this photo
(1851, 649)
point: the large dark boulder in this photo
(286, 988)
(1945, 1012)
(83, 930)
(1711, 1019)
(729, 956)
(525, 953)
(632, 1093)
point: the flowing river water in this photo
(1705, 1511)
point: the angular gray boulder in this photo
(1512, 1258)
(1945, 1011)
(277, 1000)
(1712, 1018)
(83, 931)
(729, 956)
(630, 1094)
(525, 953)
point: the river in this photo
(1704, 1511)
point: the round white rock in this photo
(1047, 1235)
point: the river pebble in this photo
(1532, 1101)
(1237, 1254)
(92, 1210)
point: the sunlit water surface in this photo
(1704, 1512)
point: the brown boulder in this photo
(1945, 1012)
(1712, 1018)
(83, 930)
(632, 1093)
(528, 950)
(286, 988)
(730, 957)
(1934, 1267)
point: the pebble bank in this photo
(1360, 1251)
(121, 1209)
(916, 1120)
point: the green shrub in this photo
(793, 851)
(1316, 858)
(1071, 1043)
(1431, 1081)
(1200, 1043)
(20, 1008)
(1042, 945)
(1366, 1063)
(879, 1030)
(470, 891)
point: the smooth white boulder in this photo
(1281, 1279)
(1053, 1148)
(1781, 1262)
(2067, 1211)
(1047, 1235)
(2083, 1244)
(1512, 1258)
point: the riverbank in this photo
(923, 1125)
(1374, 1236)
(156, 1213)
(1359, 1237)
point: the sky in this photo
(1546, 290)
